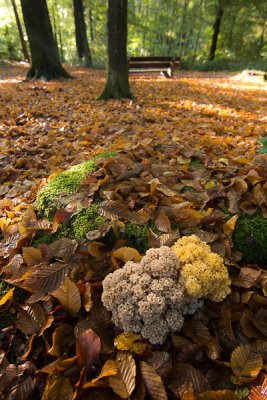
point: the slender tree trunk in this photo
(54, 25)
(45, 62)
(182, 33)
(216, 31)
(198, 32)
(92, 36)
(117, 85)
(23, 43)
(83, 48)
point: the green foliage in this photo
(137, 235)
(172, 27)
(250, 237)
(263, 149)
(88, 219)
(3, 288)
(55, 194)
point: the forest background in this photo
(174, 27)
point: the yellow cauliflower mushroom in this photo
(203, 271)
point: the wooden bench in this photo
(164, 64)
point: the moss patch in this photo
(137, 235)
(88, 219)
(66, 183)
(250, 237)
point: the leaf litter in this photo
(186, 161)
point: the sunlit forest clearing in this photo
(133, 200)
(62, 123)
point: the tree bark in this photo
(216, 31)
(117, 85)
(45, 62)
(21, 36)
(82, 45)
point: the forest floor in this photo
(211, 121)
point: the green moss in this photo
(137, 235)
(250, 237)
(88, 219)
(4, 288)
(194, 163)
(66, 183)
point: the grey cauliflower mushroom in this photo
(149, 297)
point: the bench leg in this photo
(168, 73)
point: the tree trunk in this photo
(23, 43)
(92, 36)
(83, 48)
(45, 62)
(216, 31)
(117, 85)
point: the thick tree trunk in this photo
(45, 62)
(83, 48)
(216, 31)
(21, 36)
(117, 85)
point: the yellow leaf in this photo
(229, 226)
(87, 298)
(127, 254)
(110, 368)
(246, 363)
(130, 341)
(58, 387)
(69, 296)
(210, 184)
(8, 296)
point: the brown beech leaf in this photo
(187, 392)
(113, 209)
(131, 342)
(69, 296)
(218, 395)
(64, 248)
(46, 279)
(62, 338)
(153, 382)
(13, 266)
(245, 363)
(88, 346)
(161, 361)
(58, 388)
(247, 278)
(259, 392)
(110, 368)
(123, 383)
(247, 325)
(62, 215)
(184, 372)
(24, 388)
(260, 346)
(162, 222)
(31, 319)
(31, 256)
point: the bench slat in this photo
(149, 64)
(165, 64)
(154, 58)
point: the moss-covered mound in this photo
(68, 186)
(57, 193)
(250, 237)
